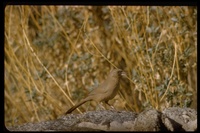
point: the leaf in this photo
(161, 93)
(187, 102)
(148, 30)
(174, 19)
(189, 94)
(161, 87)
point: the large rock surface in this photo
(171, 119)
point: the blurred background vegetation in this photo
(55, 55)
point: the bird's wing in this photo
(100, 89)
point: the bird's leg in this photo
(112, 107)
(89, 103)
(100, 106)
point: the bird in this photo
(106, 91)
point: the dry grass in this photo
(55, 55)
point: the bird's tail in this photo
(77, 105)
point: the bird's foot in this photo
(112, 108)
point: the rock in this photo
(171, 119)
(185, 117)
(149, 120)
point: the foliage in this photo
(55, 55)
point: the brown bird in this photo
(105, 91)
